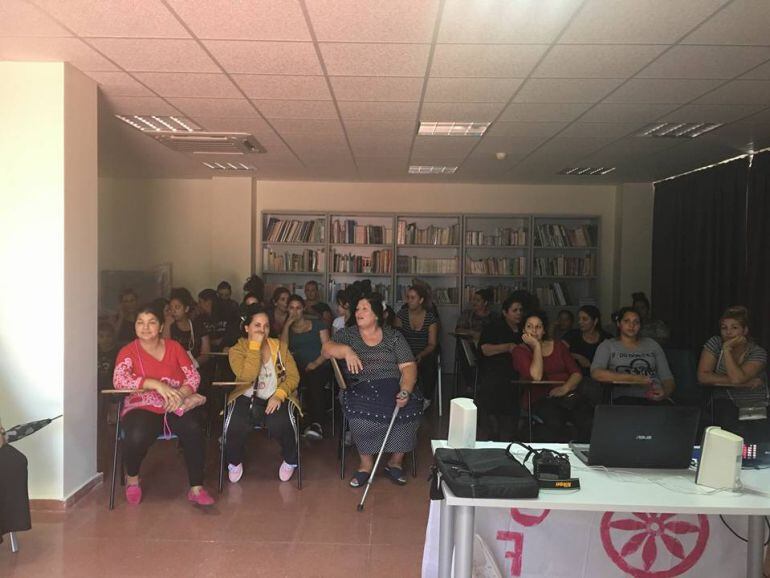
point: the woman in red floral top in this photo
(167, 403)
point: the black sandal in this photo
(359, 479)
(396, 475)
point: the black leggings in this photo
(312, 385)
(241, 423)
(142, 428)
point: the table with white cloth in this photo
(621, 522)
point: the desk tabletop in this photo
(632, 490)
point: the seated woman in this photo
(564, 323)
(636, 361)
(343, 311)
(279, 311)
(584, 340)
(305, 338)
(652, 328)
(125, 317)
(540, 358)
(473, 320)
(420, 329)
(190, 334)
(732, 360)
(496, 399)
(384, 373)
(169, 402)
(272, 376)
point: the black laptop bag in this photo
(482, 473)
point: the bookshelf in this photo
(556, 257)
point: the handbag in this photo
(482, 473)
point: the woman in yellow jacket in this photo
(272, 376)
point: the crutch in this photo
(377, 461)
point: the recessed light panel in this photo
(452, 128)
(431, 170)
(151, 123)
(586, 171)
(215, 166)
(678, 129)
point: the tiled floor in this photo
(259, 527)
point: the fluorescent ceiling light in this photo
(152, 123)
(586, 171)
(678, 129)
(452, 128)
(431, 170)
(216, 166)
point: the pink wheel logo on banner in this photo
(633, 541)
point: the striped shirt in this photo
(741, 396)
(417, 339)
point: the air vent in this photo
(586, 171)
(210, 143)
(431, 170)
(678, 129)
(215, 166)
(151, 123)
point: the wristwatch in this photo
(403, 394)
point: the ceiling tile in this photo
(712, 112)
(635, 22)
(627, 151)
(525, 129)
(544, 90)
(305, 125)
(375, 59)
(381, 146)
(215, 107)
(668, 90)
(369, 111)
(189, 84)
(312, 109)
(380, 127)
(71, 50)
(706, 62)
(140, 105)
(502, 21)
(256, 126)
(116, 18)
(471, 89)
(740, 92)
(478, 60)
(370, 88)
(759, 73)
(334, 139)
(410, 21)
(19, 18)
(515, 147)
(156, 55)
(274, 87)
(605, 129)
(488, 166)
(740, 22)
(251, 57)
(569, 149)
(460, 111)
(638, 113)
(373, 166)
(595, 60)
(252, 20)
(441, 150)
(531, 112)
(119, 84)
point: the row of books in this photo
(410, 234)
(553, 294)
(562, 266)
(502, 237)
(381, 288)
(515, 266)
(441, 295)
(561, 236)
(500, 292)
(377, 262)
(308, 261)
(348, 231)
(294, 231)
(425, 265)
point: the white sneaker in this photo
(425, 404)
(314, 431)
(234, 472)
(286, 471)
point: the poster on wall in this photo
(148, 285)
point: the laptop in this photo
(628, 436)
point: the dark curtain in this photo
(758, 243)
(699, 250)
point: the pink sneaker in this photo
(202, 498)
(286, 471)
(234, 473)
(133, 494)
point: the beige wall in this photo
(47, 251)
(635, 201)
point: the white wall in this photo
(47, 238)
(635, 248)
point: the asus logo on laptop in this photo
(643, 437)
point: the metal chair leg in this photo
(343, 429)
(414, 463)
(529, 412)
(440, 387)
(299, 458)
(115, 451)
(14, 542)
(334, 410)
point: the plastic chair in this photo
(470, 358)
(293, 417)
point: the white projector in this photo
(462, 423)
(721, 459)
